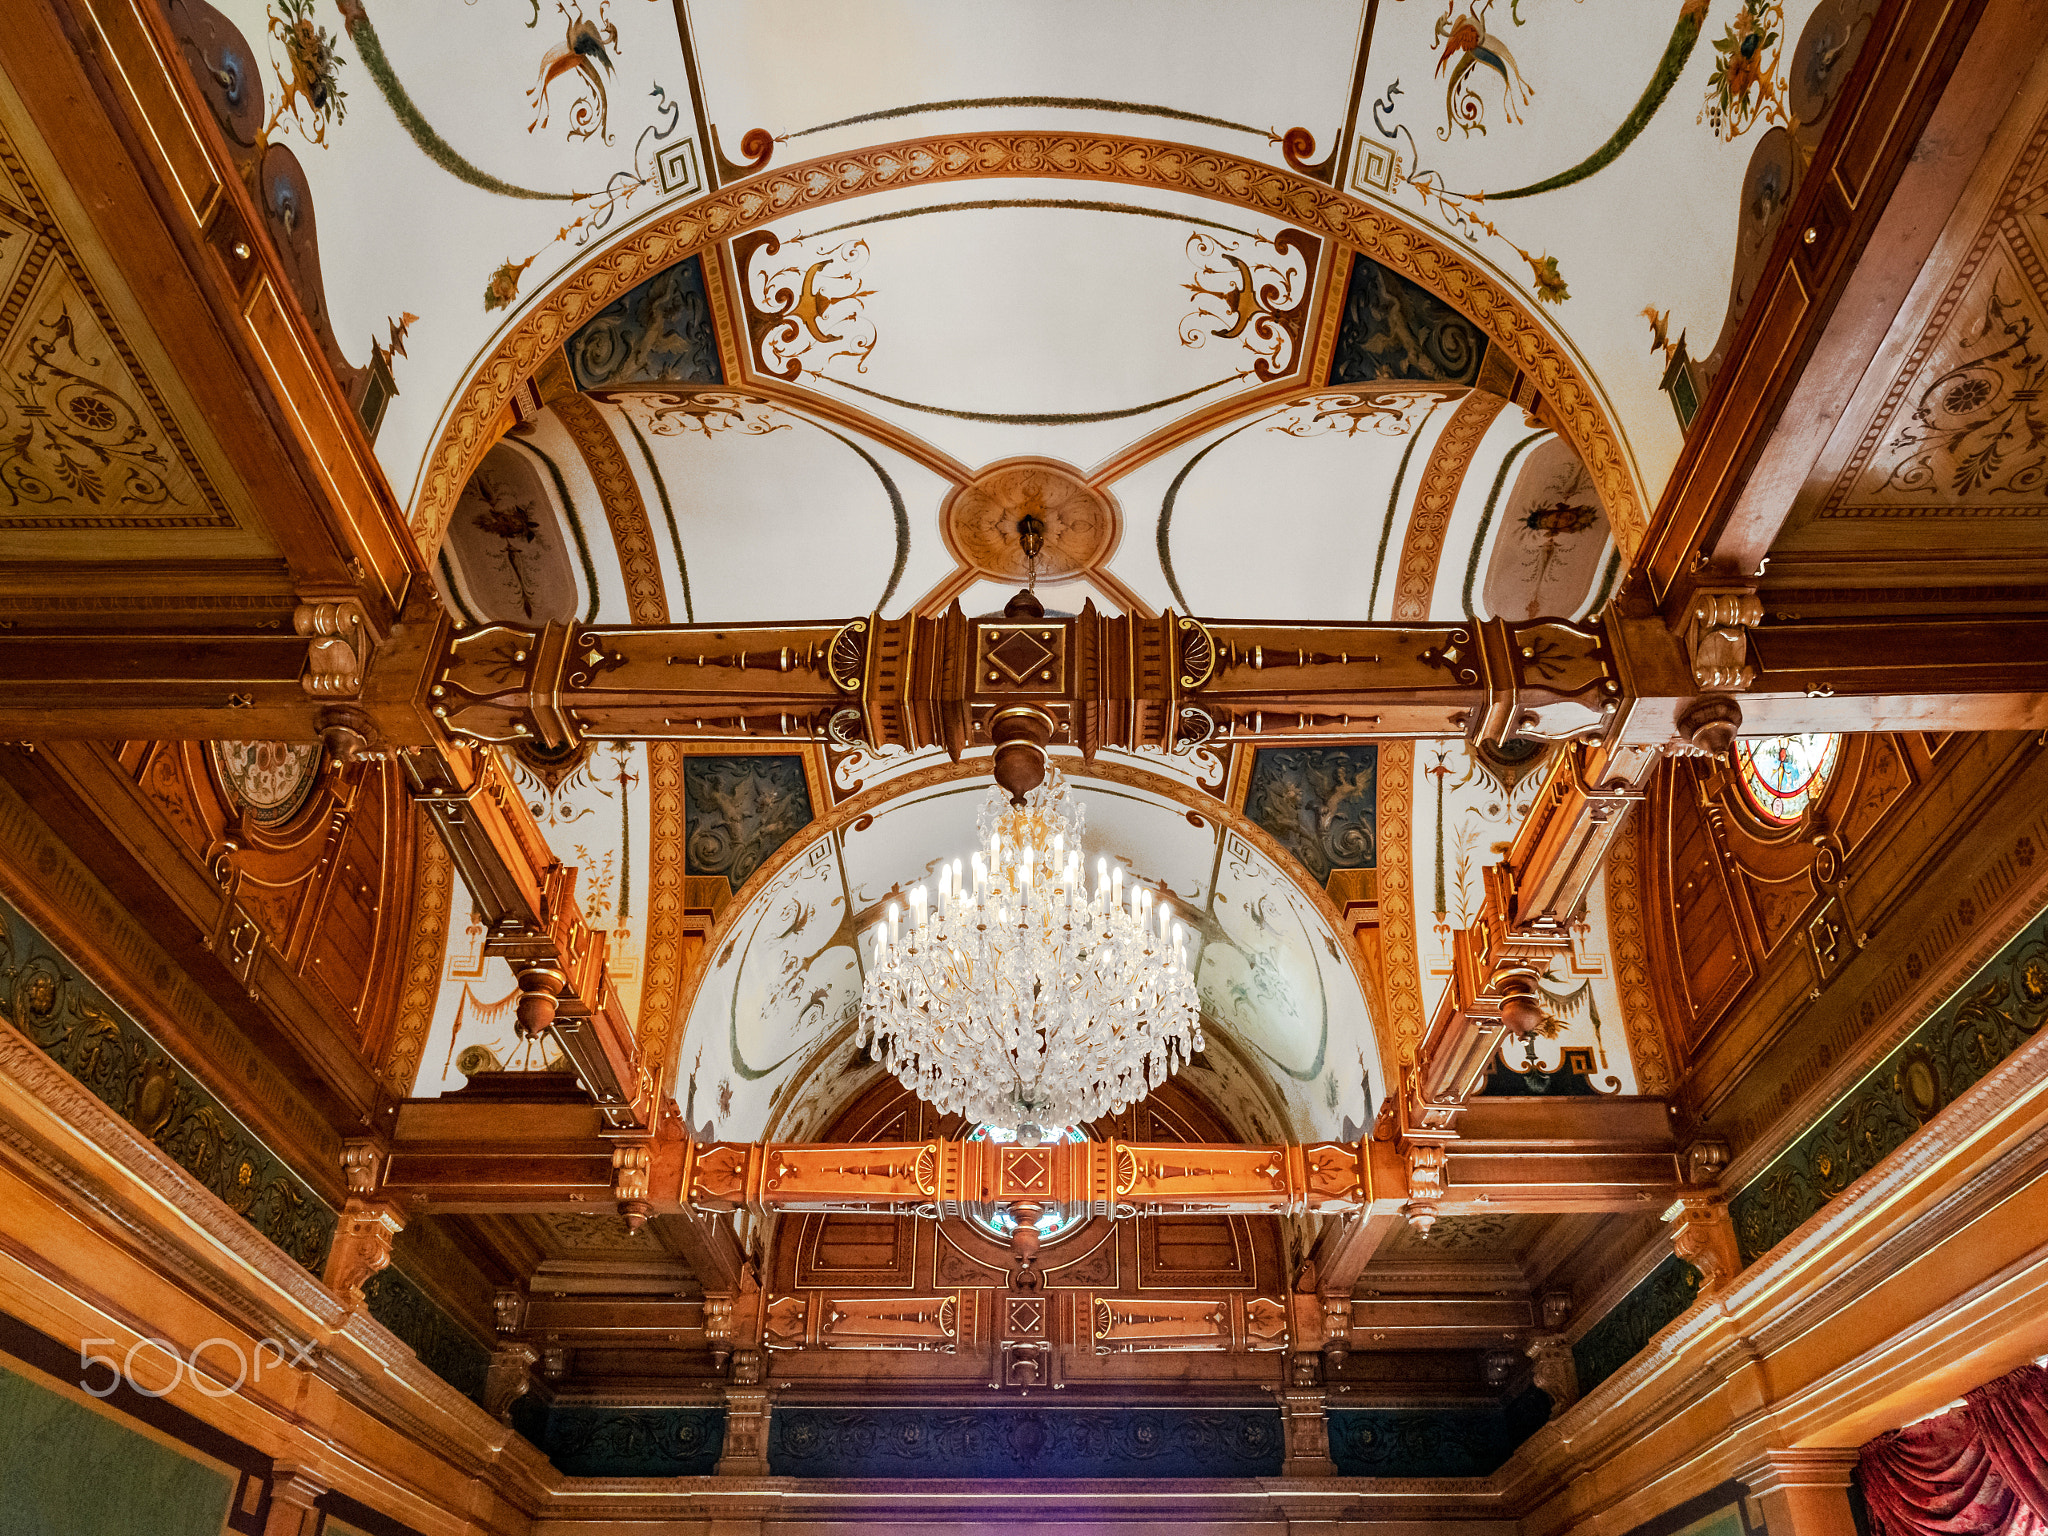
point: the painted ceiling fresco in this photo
(749, 312)
(1614, 162)
(783, 982)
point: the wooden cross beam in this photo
(1622, 690)
(494, 1152)
(1630, 678)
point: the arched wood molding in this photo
(1403, 247)
(1436, 498)
(1080, 773)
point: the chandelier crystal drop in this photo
(1020, 998)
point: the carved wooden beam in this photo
(532, 919)
(494, 1152)
(1634, 682)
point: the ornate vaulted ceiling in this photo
(1394, 319)
(1707, 329)
(1144, 278)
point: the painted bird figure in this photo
(583, 49)
(1462, 34)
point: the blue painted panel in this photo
(584, 1441)
(1025, 1442)
(1433, 1442)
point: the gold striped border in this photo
(1628, 941)
(624, 507)
(1436, 496)
(1403, 1030)
(662, 956)
(426, 956)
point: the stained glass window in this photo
(1782, 775)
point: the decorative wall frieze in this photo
(1998, 1010)
(52, 1004)
(1887, 1221)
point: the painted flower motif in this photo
(1550, 288)
(2034, 981)
(1561, 517)
(315, 68)
(503, 287)
(1744, 83)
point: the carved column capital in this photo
(362, 1246)
(746, 1429)
(292, 1496)
(1305, 1421)
(508, 1305)
(1804, 1492)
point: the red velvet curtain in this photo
(1981, 1470)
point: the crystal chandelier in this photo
(1018, 998)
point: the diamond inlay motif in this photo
(1026, 1172)
(1021, 656)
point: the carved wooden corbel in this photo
(1703, 1235)
(632, 1174)
(509, 1377)
(1425, 1184)
(362, 1247)
(1717, 640)
(1554, 1370)
(340, 649)
(362, 1163)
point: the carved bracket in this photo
(340, 649)
(1703, 1235)
(362, 1247)
(1717, 640)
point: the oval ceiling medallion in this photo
(1781, 776)
(268, 779)
(979, 520)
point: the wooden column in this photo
(1304, 1420)
(1804, 1492)
(745, 1453)
(292, 1494)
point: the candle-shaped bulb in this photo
(894, 930)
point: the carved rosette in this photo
(980, 519)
